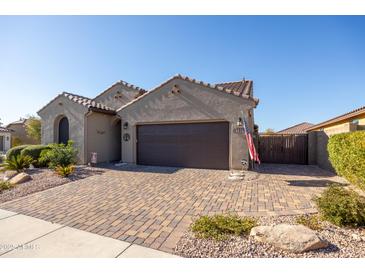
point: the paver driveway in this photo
(153, 206)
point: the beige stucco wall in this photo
(194, 103)
(18, 131)
(75, 114)
(103, 137)
(318, 141)
(117, 96)
(6, 141)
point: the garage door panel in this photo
(198, 145)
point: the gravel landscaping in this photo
(43, 179)
(344, 243)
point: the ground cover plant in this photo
(342, 207)
(220, 226)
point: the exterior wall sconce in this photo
(239, 122)
(125, 125)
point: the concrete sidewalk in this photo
(27, 237)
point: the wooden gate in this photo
(284, 149)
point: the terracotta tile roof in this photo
(3, 129)
(296, 129)
(84, 101)
(240, 88)
(126, 84)
(340, 118)
(243, 87)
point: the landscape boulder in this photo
(294, 238)
(8, 174)
(20, 178)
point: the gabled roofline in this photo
(50, 102)
(93, 106)
(339, 118)
(123, 83)
(192, 80)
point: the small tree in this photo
(33, 128)
(269, 131)
(1, 123)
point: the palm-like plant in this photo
(18, 162)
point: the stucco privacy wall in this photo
(318, 141)
(194, 103)
(117, 95)
(103, 137)
(75, 114)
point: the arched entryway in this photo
(63, 131)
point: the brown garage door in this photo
(196, 145)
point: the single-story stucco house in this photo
(182, 122)
(5, 138)
(19, 134)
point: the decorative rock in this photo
(20, 178)
(356, 237)
(260, 233)
(9, 174)
(295, 238)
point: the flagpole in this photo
(249, 158)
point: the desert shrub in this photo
(15, 151)
(65, 171)
(219, 227)
(18, 163)
(59, 155)
(347, 156)
(43, 160)
(33, 128)
(5, 185)
(15, 141)
(35, 151)
(311, 221)
(342, 207)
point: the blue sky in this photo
(304, 68)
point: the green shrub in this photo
(341, 207)
(59, 155)
(347, 156)
(219, 227)
(35, 151)
(15, 151)
(18, 163)
(311, 221)
(5, 185)
(65, 171)
(43, 160)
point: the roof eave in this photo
(336, 120)
(104, 111)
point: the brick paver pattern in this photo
(153, 206)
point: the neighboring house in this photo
(5, 138)
(301, 128)
(19, 134)
(319, 133)
(182, 122)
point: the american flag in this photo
(251, 145)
